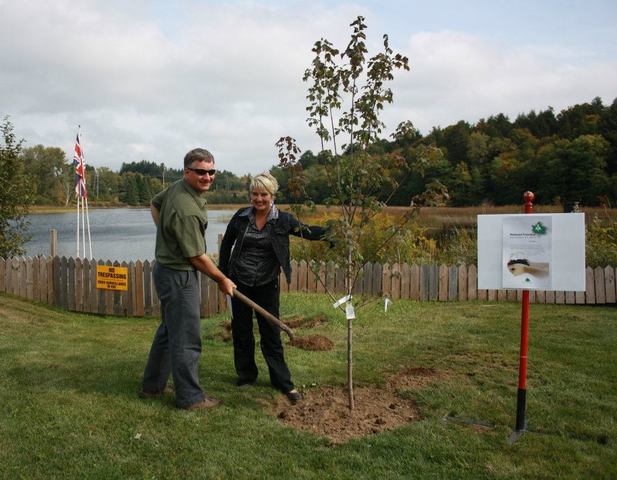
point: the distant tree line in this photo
(52, 181)
(566, 157)
(563, 158)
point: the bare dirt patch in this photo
(307, 342)
(325, 412)
(313, 342)
(226, 334)
(300, 321)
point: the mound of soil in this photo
(308, 342)
(313, 342)
(325, 412)
(226, 335)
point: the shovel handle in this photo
(263, 312)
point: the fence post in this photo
(472, 282)
(377, 274)
(598, 275)
(147, 289)
(452, 283)
(85, 290)
(433, 282)
(94, 293)
(414, 282)
(425, 282)
(405, 281)
(302, 276)
(395, 283)
(590, 293)
(23, 277)
(312, 277)
(462, 283)
(443, 283)
(609, 279)
(386, 280)
(321, 283)
(293, 284)
(79, 284)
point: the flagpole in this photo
(83, 226)
(81, 192)
(88, 222)
(77, 195)
(87, 215)
(77, 256)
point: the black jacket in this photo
(283, 226)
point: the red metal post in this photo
(522, 370)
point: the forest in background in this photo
(564, 157)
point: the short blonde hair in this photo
(264, 181)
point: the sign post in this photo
(521, 395)
(529, 251)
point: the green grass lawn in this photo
(68, 404)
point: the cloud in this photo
(150, 80)
(458, 76)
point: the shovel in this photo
(262, 311)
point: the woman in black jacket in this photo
(259, 235)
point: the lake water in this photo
(122, 234)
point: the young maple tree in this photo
(347, 93)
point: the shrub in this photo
(601, 239)
(411, 245)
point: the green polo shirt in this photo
(183, 219)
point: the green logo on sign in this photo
(538, 229)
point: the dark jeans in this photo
(267, 296)
(177, 342)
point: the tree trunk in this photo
(350, 365)
(349, 334)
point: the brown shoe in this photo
(148, 395)
(153, 394)
(208, 402)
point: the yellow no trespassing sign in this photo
(112, 278)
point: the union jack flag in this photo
(80, 170)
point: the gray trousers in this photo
(177, 342)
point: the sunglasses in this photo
(201, 172)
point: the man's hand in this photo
(227, 286)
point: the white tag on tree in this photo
(386, 304)
(342, 300)
(349, 311)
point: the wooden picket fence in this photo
(71, 284)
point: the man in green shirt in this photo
(180, 215)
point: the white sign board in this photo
(532, 251)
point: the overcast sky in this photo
(149, 80)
